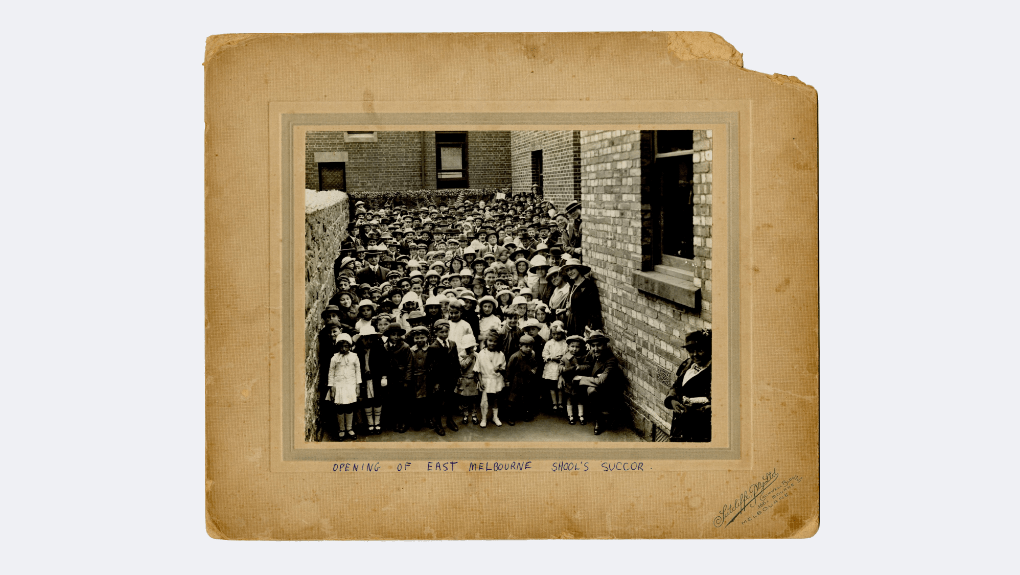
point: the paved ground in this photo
(543, 428)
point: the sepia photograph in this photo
(461, 287)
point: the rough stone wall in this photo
(325, 228)
(407, 160)
(647, 332)
(561, 163)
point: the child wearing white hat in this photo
(552, 353)
(344, 383)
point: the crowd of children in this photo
(445, 316)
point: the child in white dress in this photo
(552, 353)
(490, 366)
(344, 383)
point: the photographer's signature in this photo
(755, 495)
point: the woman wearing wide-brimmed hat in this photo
(690, 397)
(583, 307)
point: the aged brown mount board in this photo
(760, 479)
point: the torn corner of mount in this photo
(703, 46)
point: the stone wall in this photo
(407, 160)
(647, 331)
(561, 163)
(325, 228)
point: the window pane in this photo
(446, 175)
(452, 158)
(673, 141)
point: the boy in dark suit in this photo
(396, 358)
(442, 370)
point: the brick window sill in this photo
(669, 286)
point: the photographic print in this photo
(559, 265)
(451, 296)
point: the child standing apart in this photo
(467, 385)
(568, 364)
(552, 354)
(490, 367)
(344, 381)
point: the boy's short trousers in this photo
(553, 384)
(346, 408)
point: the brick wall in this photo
(647, 331)
(407, 160)
(488, 159)
(561, 163)
(325, 228)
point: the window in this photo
(673, 183)
(332, 176)
(361, 137)
(667, 240)
(451, 160)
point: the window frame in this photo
(452, 183)
(662, 275)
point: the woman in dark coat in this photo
(690, 397)
(583, 306)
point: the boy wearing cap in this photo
(417, 409)
(442, 371)
(521, 371)
(690, 397)
(394, 365)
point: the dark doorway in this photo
(536, 173)
(332, 176)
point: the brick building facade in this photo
(551, 159)
(638, 189)
(388, 161)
